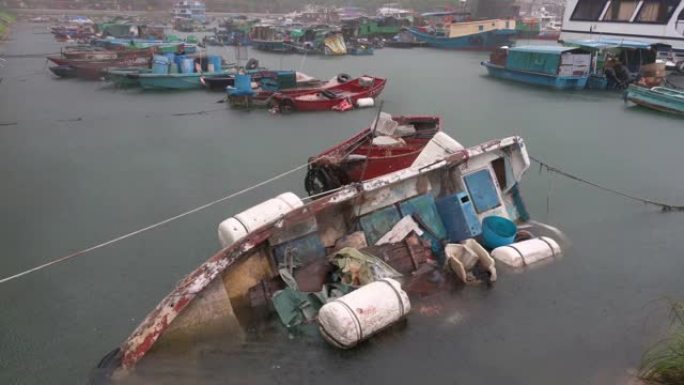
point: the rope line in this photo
(153, 226)
(661, 205)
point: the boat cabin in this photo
(616, 63)
(549, 60)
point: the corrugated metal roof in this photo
(609, 43)
(544, 49)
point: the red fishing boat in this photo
(331, 95)
(391, 144)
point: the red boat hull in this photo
(357, 159)
(95, 69)
(317, 100)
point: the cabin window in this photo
(620, 10)
(588, 10)
(680, 23)
(482, 190)
(656, 11)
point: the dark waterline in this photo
(85, 163)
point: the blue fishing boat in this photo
(469, 35)
(550, 66)
(173, 81)
(657, 98)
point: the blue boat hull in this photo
(478, 41)
(553, 81)
(272, 46)
(657, 98)
(172, 81)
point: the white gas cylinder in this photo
(527, 252)
(356, 316)
(236, 227)
(365, 102)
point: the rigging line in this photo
(153, 226)
(663, 206)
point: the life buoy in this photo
(252, 64)
(343, 78)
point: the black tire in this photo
(252, 64)
(319, 180)
(343, 78)
(286, 106)
(328, 94)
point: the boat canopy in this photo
(539, 58)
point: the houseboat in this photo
(550, 66)
(469, 35)
(652, 21)
(190, 10)
(615, 63)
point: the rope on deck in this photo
(556, 170)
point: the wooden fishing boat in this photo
(364, 157)
(216, 303)
(89, 69)
(548, 66)
(657, 98)
(469, 35)
(124, 77)
(101, 54)
(325, 98)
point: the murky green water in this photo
(85, 163)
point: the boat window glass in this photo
(656, 11)
(620, 10)
(482, 190)
(588, 10)
(680, 22)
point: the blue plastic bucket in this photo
(187, 66)
(171, 56)
(216, 61)
(498, 231)
(160, 65)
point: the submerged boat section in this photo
(447, 197)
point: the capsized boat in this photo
(324, 99)
(657, 98)
(390, 144)
(451, 196)
(550, 66)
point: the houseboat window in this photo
(620, 10)
(588, 10)
(680, 22)
(656, 11)
(482, 190)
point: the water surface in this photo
(84, 163)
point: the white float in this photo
(527, 252)
(356, 316)
(238, 226)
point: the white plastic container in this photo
(527, 252)
(358, 315)
(441, 145)
(238, 226)
(365, 102)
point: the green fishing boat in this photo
(657, 98)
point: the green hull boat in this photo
(657, 98)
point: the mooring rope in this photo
(556, 170)
(153, 226)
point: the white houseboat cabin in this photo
(654, 21)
